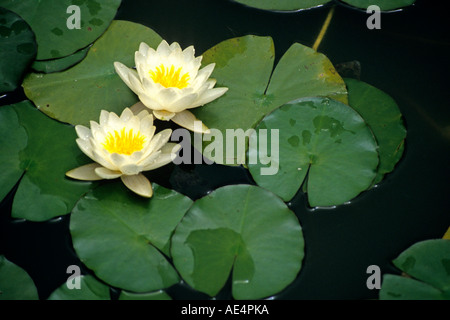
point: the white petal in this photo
(162, 160)
(210, 83)
(138, 107)
(86, 172)
(139, 184)
(105, 162)
(83, 132)
(163, 48)
(147, 128)
(175, 46)
(118, 159)
(104, 116)
(150, 87)
(86, 147)
(168, 96)
(107, 174)
(97, 131)
(209, 96)
(126, 115)
(186, 119)
(135, 157)
(114, 122)
(133, 123)
(170, 147)
(185, 102)
(144, 48)
(135, 81)
(150, 102)
(140, 60)
(148, 159)
(189, 54)
(160, 139)
(129, 76)
(203, 75)
(163, 115)
(130, 169)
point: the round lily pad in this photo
(323, 144)
(427, 264)
(89, 289)
(125, 239)
(55, 23)
(13, 139)
(245, 66)
(15, 283)
(17, 49)
(283, 5)
(384, 118)
(157, 295)
(243, 230)
(43, 192)
(60, 64)
(385, 5)
(78, 94)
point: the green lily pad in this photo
(44, 192)
(283, 5)
(158, 295)
(385, 5)
(125, 239)
(17, 49)
(56, 65)
(239, 229)
(49, 21)
(90, 289)
(301, 72)
(323, 144)
(428, 263)
(13, 139)
(78, 94)
(15, 283)
(403, 288)
(383, 116)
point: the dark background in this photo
(407, 58)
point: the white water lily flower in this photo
(124, 147)
(169, 81)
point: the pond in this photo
(407, 58)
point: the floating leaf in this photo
(15, 283)
(90, 289)
(158, 295)
(383, 116)
(123, 238)
(56, 65)
(241, 229)
(384, 5)
(283, 5)
(44, 192)
(49, 20)
(322, 143)
(78, 94)
(428, 263)
(301, 72)
(17, 49)
(13, 139)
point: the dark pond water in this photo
(407, 58)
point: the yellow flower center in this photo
(124, 142)
(169, 77)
